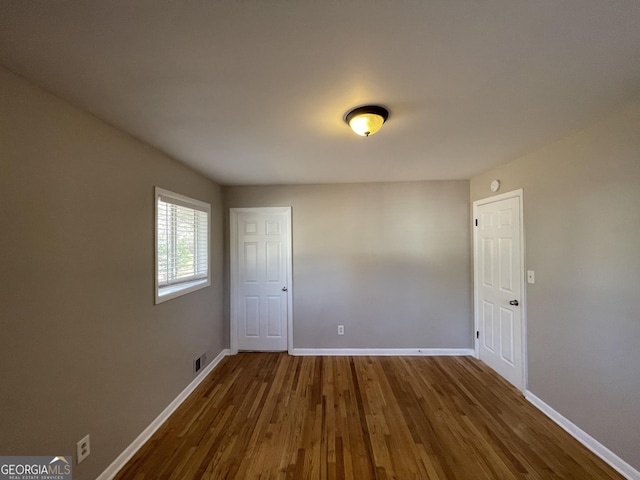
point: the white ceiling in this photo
(254, 91)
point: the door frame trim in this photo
(523, 274)
(233, 263)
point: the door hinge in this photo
(476, 222)
(477, 333)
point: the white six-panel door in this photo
(498, 286)
(260, 287)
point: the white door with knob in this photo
(260, 268)
(498, 272)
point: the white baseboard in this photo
(587, 440)
(381, 352)
(130, 451)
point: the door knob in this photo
(515, 303)
(284, 289)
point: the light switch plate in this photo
(531, 276)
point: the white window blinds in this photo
(182, 241)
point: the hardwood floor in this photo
(273, 416)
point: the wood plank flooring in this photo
(273, 416)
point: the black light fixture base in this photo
(374, 109)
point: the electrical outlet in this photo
(340, 329)
(83, 448)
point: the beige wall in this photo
(83, 348)
(390, 261)
(582, 223)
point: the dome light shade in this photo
(366, 120)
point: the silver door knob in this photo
(515, 303)
(284, 289)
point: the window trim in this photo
(169, 292)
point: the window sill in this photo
(173, 291)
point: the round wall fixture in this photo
(366, 120)
(495, 186)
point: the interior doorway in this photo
(261, 279)
(499, 300)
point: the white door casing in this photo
(499, 285)
(261, 289)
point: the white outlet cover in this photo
(83, 448)
(531, 276)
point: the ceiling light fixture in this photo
(366, 120)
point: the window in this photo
(182, 245)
